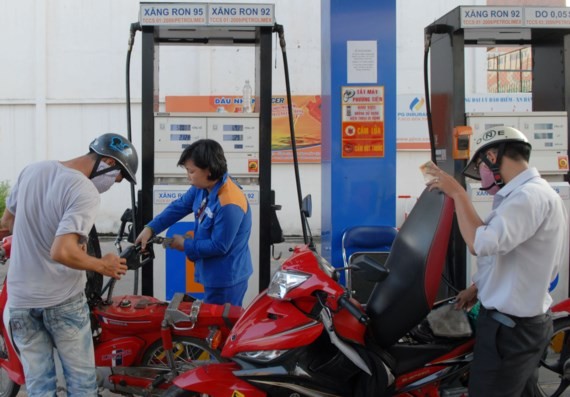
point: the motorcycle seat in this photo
(416, 262)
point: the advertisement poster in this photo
(412, 114)
(362, 121)
(306, 120)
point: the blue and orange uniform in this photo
(220, 248)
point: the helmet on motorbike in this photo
(119, 148)
(494, 138)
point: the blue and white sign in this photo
(184, 14)
(547, 17)
(241, 14)
(485, 17)
(203, 14)
(166, 197)
(503, 16)
(252, 196)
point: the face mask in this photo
(104, 181)
(488, 180)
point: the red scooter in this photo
(305, 336)
(141, 343)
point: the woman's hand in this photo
(178, 242)
(143, 237)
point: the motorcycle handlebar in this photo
(352, 309)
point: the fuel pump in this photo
(238, 133)
(245, 137)
(546, 30)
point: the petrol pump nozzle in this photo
(435, 29)
(281, 33)
(134, 27)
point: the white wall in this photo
(62, 79)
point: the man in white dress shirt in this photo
(519, 247)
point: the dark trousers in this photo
(506, 356)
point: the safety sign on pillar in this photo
(362, 121)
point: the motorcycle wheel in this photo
(554, 368)
(188, 353)
(8, 388)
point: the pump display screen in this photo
(180, 137)
(233, 137)
(233, 127)
(543, 135)
(180, 127)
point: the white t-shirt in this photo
(521, 246)
(48, 200)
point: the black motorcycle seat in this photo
(416, 263)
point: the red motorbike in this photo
(140, 342)
(305, 335)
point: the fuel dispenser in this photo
(245, 137)
(547, 31)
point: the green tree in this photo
(4, 191)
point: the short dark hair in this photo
(206, 154)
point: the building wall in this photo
(62, 79)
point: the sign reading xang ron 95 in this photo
(206, 14)
(362, 121)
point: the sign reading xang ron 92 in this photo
(205, 14)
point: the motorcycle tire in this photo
(186, 350)
(551, 380)
(8, 388)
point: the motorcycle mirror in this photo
(307, 206)
(369, 269)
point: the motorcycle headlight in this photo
(284, 281)
(262, 355)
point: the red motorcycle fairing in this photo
(304, 260)
(12, 367)
(563, 306)
(134, 314)
(128, 313)
(348, 327)
(436, 365)
(271, 324)
(217, 380)
(119, 352)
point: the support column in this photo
(358, 154)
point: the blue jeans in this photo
(66, 327)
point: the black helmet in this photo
(119, 148)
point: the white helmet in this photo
(495, 137)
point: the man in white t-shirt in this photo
(50, 210)
(519, 246)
